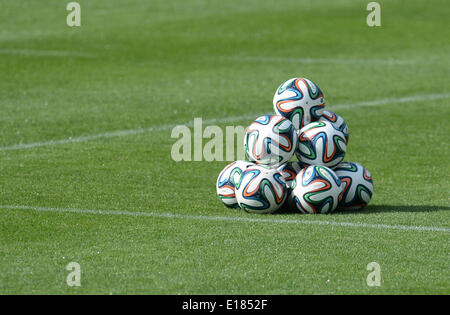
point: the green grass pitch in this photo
(139, 64)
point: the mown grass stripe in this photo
(343, 61)
(45, 53)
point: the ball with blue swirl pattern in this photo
(357, 183)
(227, 180)
(320, 143)
(289, 170)
(299, 100)
(261, 190)
(316, 189)
(270, 140)
(337, 121)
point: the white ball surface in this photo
(289, 170)
(270, 140)
(299, 100)
(337, 121)
(316, 189)
(261, 190)
(320, 143)
(357, 185)
(227, 180)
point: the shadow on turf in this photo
(377, 209)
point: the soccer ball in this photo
(261, 190)
(299, 100)
(358, 185)
(316, 189)
(270, 140)
(289, 170)
(336, 120)
(227, 180)
(320, 143)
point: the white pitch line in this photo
(387, 101)
(122, 133)
(168, 215)
(44, 53)
(26, 34)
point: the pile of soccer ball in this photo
(319, 182)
